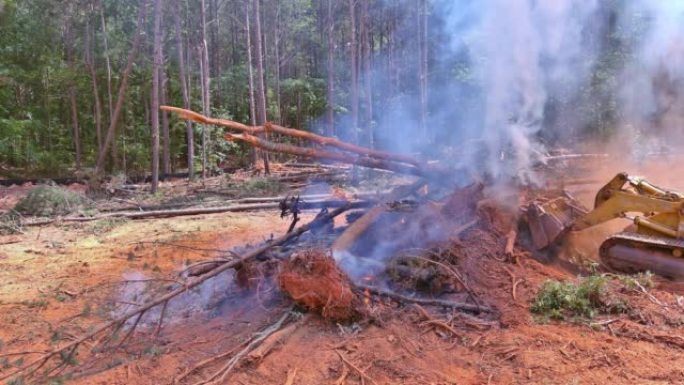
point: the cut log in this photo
(198, 211)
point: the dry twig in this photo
(356, 368)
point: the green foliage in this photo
(644, 280)
(558, 300)
(16, 381)
(255, 187)
(47, 200)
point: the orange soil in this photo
(51, 274)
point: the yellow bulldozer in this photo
(653, 242)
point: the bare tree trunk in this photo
(250, 71)
(189, 133)
(99, 166)
(367, 81)
(423, 73)
(330, 131)
(277, 64)
(354, 74)
(205, 85)
(166, 139)
(90, 63)
(260, 91)
(74, 124)
(154, 101)
(109, 65)
(76, 135)
(165, 134)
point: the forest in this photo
(81, 81)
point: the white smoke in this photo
(523, 52)
(652, 84)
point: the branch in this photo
(269, 127)
(310, 152)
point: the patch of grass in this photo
(558, 300)
(644, 280)
(68, 358)
(45, 201)
(10, 223)
(16, 381)
(87, 310)
(153, 351)
(255, 187)
(36, 304)
(61, 297)
(108, 224)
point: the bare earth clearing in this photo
(60, 280)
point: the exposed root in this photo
(313, 279)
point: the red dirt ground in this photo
(50, 275)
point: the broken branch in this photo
(269, 127)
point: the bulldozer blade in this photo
(548, 221)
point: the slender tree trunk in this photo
(277, 63)
(90, 63)
(165, 134)
(205, 85)
(76, 134)
(250, 67)
(99, 166)
(189, 133)
(423, 73)
(330, 131)
(107, 61)
(260, 91)
(154, 101)
(163, 96)
(354, 74)
(367, 80)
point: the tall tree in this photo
(366, 49)
(107, 61)
(123, 86)
(90, 65)
(330, 21)
(260, 90)
(354, 86)
(189, 132)
(423, 72)
(76, 133)
(154, 101)
(204, 73)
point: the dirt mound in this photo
(312, 279)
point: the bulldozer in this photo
(653, 242)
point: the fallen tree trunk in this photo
(201, 210)
(268, 127)
(315, 153)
